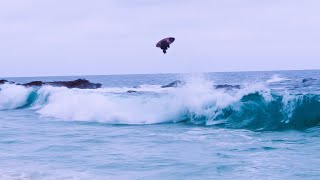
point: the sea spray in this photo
(254, 106)
(13, 96)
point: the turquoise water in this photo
(267, 129)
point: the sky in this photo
(100, 37)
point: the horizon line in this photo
(120, 74)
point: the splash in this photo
(196, 102)
(276, 78)
(13, 96)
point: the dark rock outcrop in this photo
(176, 83)
(308, 80)
(227, 86)
(79, 83)
(34, 83)
(131, 91)
(2, 81)
(179, 83)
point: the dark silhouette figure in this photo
(164, 44)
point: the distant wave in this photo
(197, 102)
(276, 78)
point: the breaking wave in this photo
(276, 78)
(253, 107)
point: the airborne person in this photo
(164, 44)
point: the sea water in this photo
(266, 129)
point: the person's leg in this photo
(164, 46)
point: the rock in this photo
(307, 80)
(33, 83)
(227, 86)
(79, 83)
(2, 81)
(176, 83)
(131, 91)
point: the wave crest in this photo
(196, 102)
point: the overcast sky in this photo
(82, 37)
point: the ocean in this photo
(256, 125)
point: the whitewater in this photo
(245, 125)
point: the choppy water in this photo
(267, 129)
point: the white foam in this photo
(13, 96)
(89, 106)
(42, 172)
(141, 88)
(276, 78)
(197, 98)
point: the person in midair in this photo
(164, 44)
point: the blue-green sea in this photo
(265, 125)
